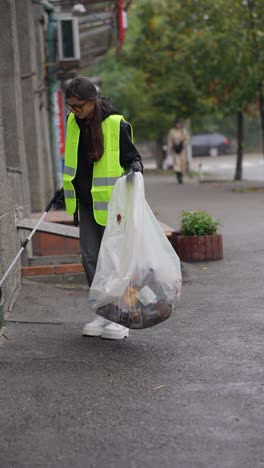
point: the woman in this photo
(98, 150)
(178, 140)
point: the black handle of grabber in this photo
(58, 195)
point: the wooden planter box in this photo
(199, 248)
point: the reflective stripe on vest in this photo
(106, 171)
(69, 171)
(100, 181)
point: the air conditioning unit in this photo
(68, 38)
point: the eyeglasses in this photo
(76, 107)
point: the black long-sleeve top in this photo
(129, 156)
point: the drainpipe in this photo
(52, 89)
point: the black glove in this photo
(60, 200)
(57, 201)
(135, 167)
(76, 221)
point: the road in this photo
(224, 166)
(188, 393)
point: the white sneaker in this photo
(114, 331)
(96, 327)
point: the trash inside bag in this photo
(138, 276)
(142, 305)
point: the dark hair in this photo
(177, 121)
(84, 90)
(81, 88)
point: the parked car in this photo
(209, 144)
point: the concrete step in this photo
(55, 237)
(56, 249)
(63, 273)
(72, 280)
(53, 260)
(44, 270)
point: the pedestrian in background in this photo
(178, 140)
(98, 150)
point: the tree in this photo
(208, 55)
(190, 58)
(256, 42)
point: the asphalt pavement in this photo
(224, 166)
(188, 393)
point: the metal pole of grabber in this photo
(58, 195)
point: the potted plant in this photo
(198, 239)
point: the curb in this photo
(49, 270)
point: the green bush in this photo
(198, 223)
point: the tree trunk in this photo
(240, 145)
(159, 151)
(261, 110)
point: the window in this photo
(68, 38)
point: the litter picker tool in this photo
(57, 197)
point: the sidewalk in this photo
(188, 393)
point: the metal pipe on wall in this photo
(53, 87)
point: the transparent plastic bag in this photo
(138, 276)
(168, 162)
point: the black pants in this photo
(91, 235)
(179, 177)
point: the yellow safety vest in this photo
(106, 171)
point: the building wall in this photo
(14, 188)
(41, 101)
(8, 236)
(26, 177)
(30, 32)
